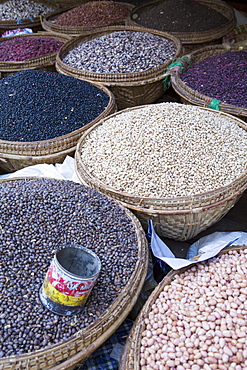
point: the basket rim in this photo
(57, 144)
(133, 284)
(195, 97)
(134, 336)
(36, 61)
(198, 37)
(156, 204)
(115, 78)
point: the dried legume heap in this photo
(121, 52)
(199, 320)
(22, 9)
(166, 150)
(222, 77)
(180, 16)
(37, 217)
(23, 48)
(93, 13)
(39, 105)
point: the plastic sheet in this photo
(203, 249)
(62, 171)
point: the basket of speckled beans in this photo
(43, 115)
(182, 166)
(195, 23)
(15, 14)
(215, 77)
(130, 61)
(195, 318)
(31, 51)
(39, 216)
(85, 18)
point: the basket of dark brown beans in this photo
(84, 18)
(38, 217)
(16, 14)
(194, 319)
(131, 61)
(180, 165)
(43, 115)
(195, 23)
(214, 77)
(33, 51)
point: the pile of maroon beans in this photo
(222, 77)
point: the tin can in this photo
(69, 280)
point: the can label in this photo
(62, 288)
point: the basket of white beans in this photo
(195, 319)
(180, 165)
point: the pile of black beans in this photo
(38, 216)
(40, 105)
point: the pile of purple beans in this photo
(222, 77)
(20, 48)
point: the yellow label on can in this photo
(54, 295)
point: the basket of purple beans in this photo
(214, 77)
(30, 51)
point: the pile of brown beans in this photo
(93, 13)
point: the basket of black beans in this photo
(43, 115)
(195, 23)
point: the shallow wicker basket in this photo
(66, 354)
(177, 218)
(34, 24)
(130, 359)
(43, 63)
(190, 96)
(17, 155)
(238, 36)
(194, 40)
(49, 25)
(129, 89)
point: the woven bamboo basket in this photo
(194, 40)
(67, 354)
(43, 63)
(17, 155)
(179, 218)
(238, 36)
(130, 359)
(34, 24)
(129, 89)
(190, 96)
(49, 25)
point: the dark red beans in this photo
(222, 77)
(22, 48)
(93, 13)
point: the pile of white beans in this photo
(166, 150)
(199, 320)
(22, 9)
